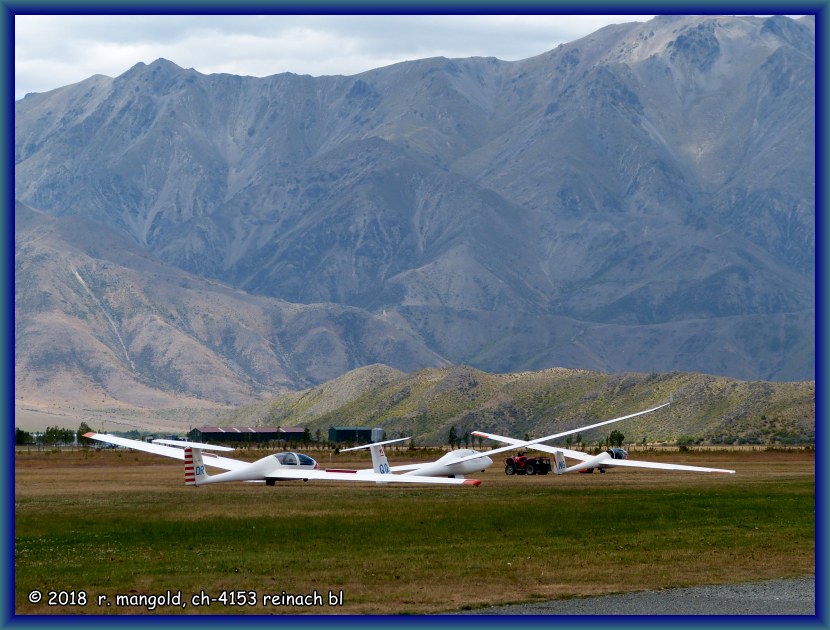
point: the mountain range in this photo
(639, 199)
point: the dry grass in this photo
(112, 522)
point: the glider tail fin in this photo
(379, 462)
(559, 462)
(194, 467)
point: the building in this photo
(355, 435)
(293, 434)
(247, 434)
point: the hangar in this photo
(355, 435)
(247, 434)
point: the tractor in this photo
(521, 464)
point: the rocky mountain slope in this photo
(640, 199)
(121, 325)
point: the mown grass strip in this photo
(413, 550)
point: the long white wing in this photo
(199, 445)
(605, 460)
(362, 446)
(632, 463)
(522, 443)
(210, 459)
(363, 477)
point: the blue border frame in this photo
(822, 381)
(10, 8)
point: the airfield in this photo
(113, 531)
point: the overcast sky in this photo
(51, 51)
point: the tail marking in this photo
(194, 467)
(189, 474)
(559, 462)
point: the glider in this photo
(612, 458)
(513, 444)
(270, 469)
(454, 464)
(465, 461)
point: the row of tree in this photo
(52, 436)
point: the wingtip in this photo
(90, 434)
(472, 482)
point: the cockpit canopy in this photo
(617, 453)
(295, 459)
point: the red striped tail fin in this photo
(189, 472)
(194, 467)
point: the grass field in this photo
(104, 524)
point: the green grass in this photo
(396, 550)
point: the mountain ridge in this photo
(428, 403)
(639, 199)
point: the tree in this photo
(453, 437)
(82, 429)
(616, 438)
(22, 437)
(57, 435)
(685, 441)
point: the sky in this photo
(51, 51)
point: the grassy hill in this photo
(427, 403)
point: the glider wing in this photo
(224, 463)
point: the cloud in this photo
(55, 50)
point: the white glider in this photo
(522, 444)
(454, 464)
(465, 461)
(270, 469)
(612, 458)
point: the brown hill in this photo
(426, 404)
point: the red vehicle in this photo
(521, 464)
